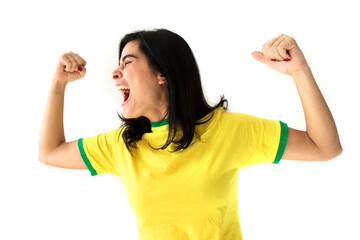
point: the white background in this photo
(291, 200)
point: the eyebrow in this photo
(126, 56)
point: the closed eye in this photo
(127, 63)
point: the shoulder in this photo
(108, 136)
(229, 117)
(231, 121)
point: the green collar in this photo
(159, 123)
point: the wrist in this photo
(301, 73)
(58, 85)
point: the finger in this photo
(268, 44)
(74, 63)
(79, 72)
(82, 71)
(79, 60)
(288, 44)
(276, 48)
(283, 48)
(259, 56)
(266, 48)
(67, 62)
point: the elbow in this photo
(42, 158)
(333, 153)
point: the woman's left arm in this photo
(320, 141)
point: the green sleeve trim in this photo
(85, 159)
(282, 143)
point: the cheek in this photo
(143, 93)
(142, 85)
(127, 75)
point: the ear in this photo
(161, 79)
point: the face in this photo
(147, 94)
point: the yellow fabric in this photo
(191, 194)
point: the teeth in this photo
(123, 88)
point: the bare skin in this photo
(148, 98)
(148, 90)
(53, 149)
(318, 143)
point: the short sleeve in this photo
(254, 140)
(100, 153)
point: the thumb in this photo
(77, 74)
(259, 56)
(82, 71)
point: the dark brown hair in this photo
(169, 54)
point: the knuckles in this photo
(67, 59)
(285, 39)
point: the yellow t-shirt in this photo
(190, 194)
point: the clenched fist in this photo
(283, 54)
(69, 68)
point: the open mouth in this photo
(125, 92)
(126, 95)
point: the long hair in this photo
(169, 54)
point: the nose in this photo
(117, 74)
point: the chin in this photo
(129, 114)
(126, 114)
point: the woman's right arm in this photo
(53, 148)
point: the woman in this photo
(178, 156)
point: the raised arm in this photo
(53, 148)
(320, 141)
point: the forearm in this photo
(52, 127)
(320, 124)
